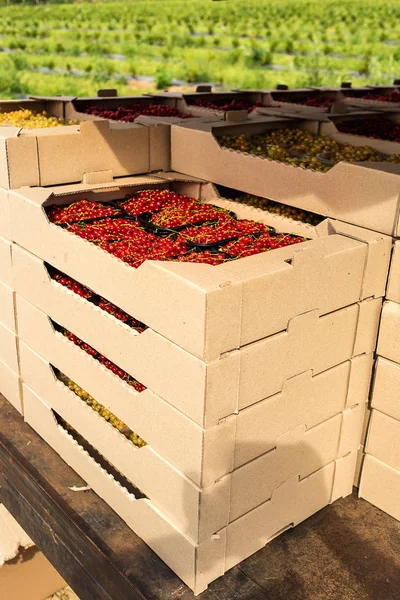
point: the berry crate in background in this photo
(377, 98)
(59, 155)
(229, 106)
(380, 476)
(160, 107)
(362, 129)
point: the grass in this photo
(74, 48)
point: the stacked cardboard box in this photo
(256, 386)
(365, 194)
(256, 371)
(380, 478)
(53, 156)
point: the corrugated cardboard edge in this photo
(393, 288)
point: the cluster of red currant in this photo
(72, 285)
(182, 222)
(179, 216)
(139, 387)
(129, 114)
(248, 245)
(224, 230)
(381, 129)
(128, 240)
(153, 201)
(102, 303)
(78, 342)
(104, 231)
(207, 257)
(315, 102)
(390, 97)
(121, 315)
(82, 210)
(227, 106)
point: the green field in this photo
(140, 45)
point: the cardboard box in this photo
(393, 287)
(258, 370)
(383, 441)
(75, 108)
(10, 386)
(365, 194)
(386, 389)
(380, 477)
(6, 269)
(290, 101)
(219, 306)
(206, 455)
(299, 498)
(9, 348)
(195, 511)
(330, 129)
(380, 485)
(149, 357)
(12, 537)
(297, 455)
(59, 155)
(30, 575)
(7, 307)
(389, 332)
(339, 388)
(354, 98)
(186, 103)
(197, 565)
(200, 512)
(53, 106)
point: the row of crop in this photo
(248, 17)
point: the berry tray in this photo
(60, 155)
(219, 308)
(145, 219)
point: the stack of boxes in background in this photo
(380, 478)
(252, 377)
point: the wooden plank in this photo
(92, 548)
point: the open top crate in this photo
(362, 193)
(208, 310)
